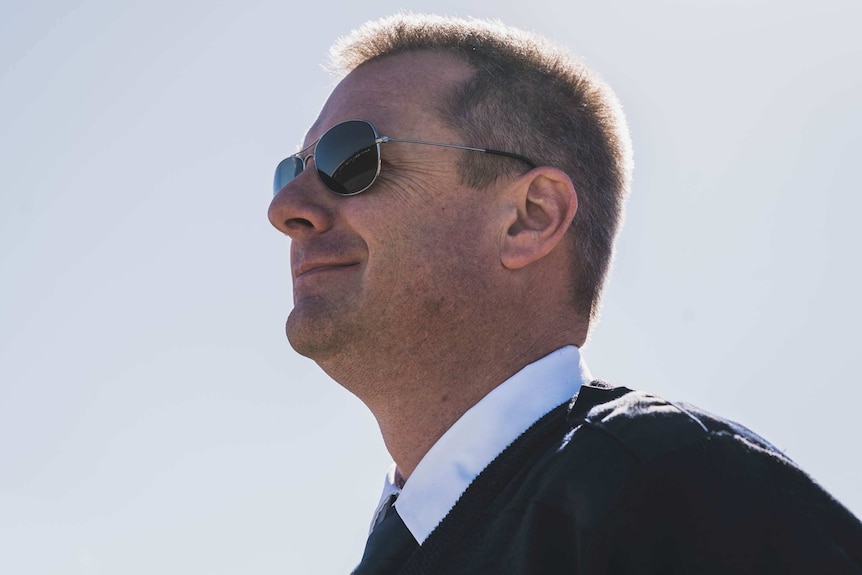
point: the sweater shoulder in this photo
(648, 426)
(617, 438)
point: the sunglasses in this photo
(347, 158)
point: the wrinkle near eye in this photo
(414, 178)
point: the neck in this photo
(416, 402)
(418, 387)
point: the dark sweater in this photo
(622, 482)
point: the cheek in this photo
(443, 262)
(424, 247)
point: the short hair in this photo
(529, 97)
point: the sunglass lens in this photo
(286, 171)
(346, 157)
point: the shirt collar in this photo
(468, 446)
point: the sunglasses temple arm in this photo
(529, 162)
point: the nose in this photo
(303, 206)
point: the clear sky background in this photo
(153, 418)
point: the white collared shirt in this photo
(479, 436)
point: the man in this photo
(451, 216)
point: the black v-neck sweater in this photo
(623, 482)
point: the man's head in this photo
(529, 97)
(452, 249)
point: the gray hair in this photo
(529, 97)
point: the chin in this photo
(315, 338)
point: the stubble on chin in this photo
(314, 333)
(307, 334)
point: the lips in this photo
(308, 258)
(312, 267)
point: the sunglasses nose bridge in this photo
(303, 163)
(306, 161)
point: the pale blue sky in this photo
(153, 418)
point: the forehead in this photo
(401, 95)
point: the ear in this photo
(545, 203)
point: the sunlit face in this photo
(392, 270)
